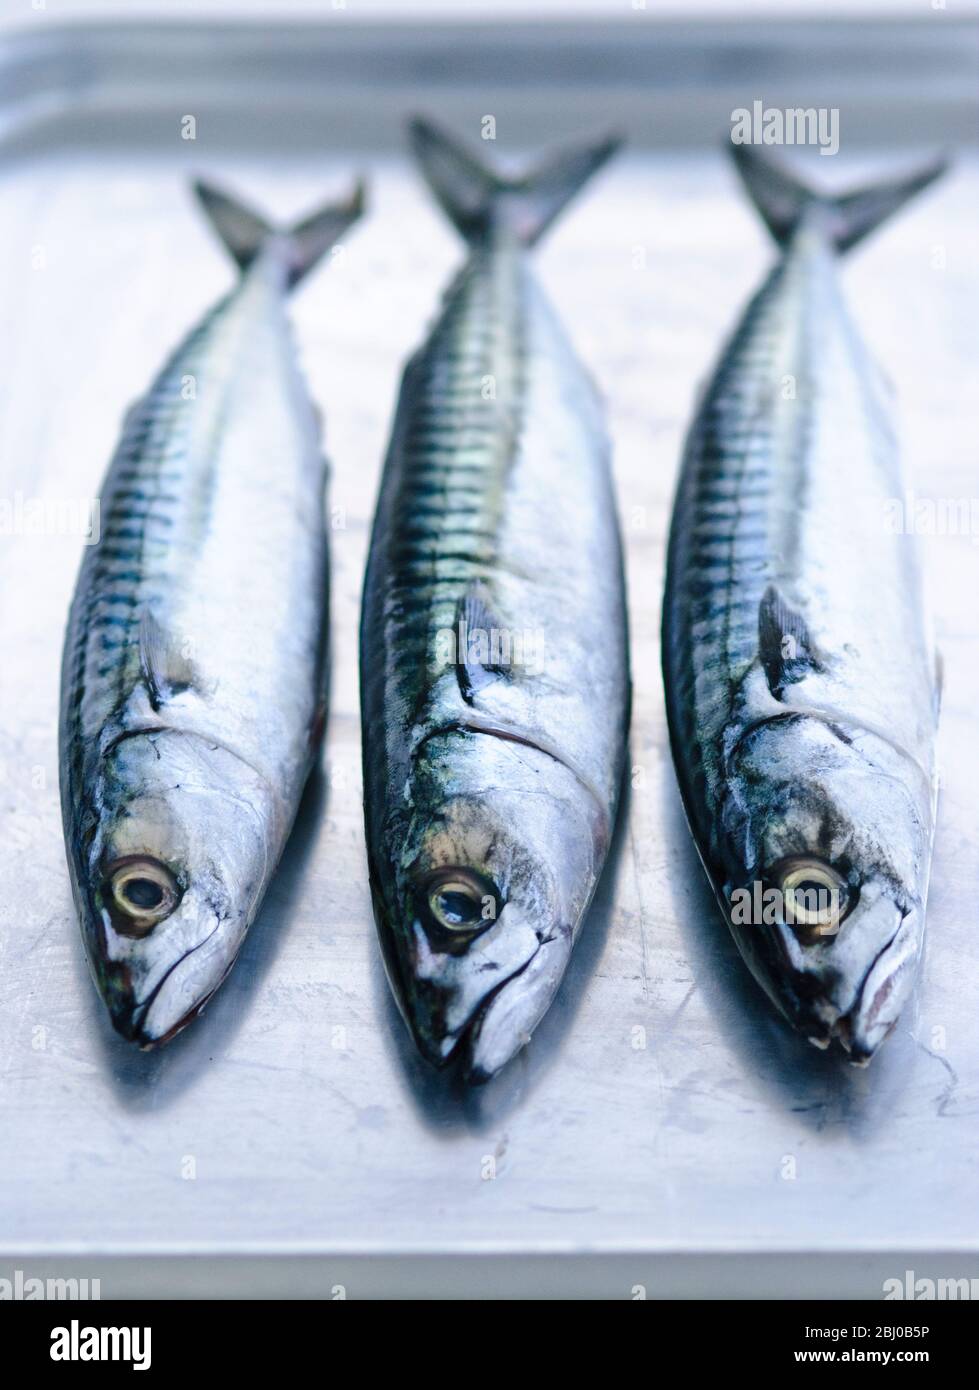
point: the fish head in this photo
(169, 876)
(488, 877)
(827, 835)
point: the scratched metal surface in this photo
(663, 1128)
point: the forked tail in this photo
(477, 197)
(781, 197)
(244, 232)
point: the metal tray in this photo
(664, 1133)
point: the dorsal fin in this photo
(785, 646)
(166, 667)
(480, 636)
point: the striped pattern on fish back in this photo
(726, 531)
(443, 493)
(150, 485)
(795, 419)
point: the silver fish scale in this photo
(503, 766)
(511, 493)
(128, 569)
(218, 466)
(455, 450)
(785, 482)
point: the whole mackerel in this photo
(494, 669)
(193, 679)
(800, 679)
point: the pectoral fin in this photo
(481, 640)
(165, 661)
(785, 647)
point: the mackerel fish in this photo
(194, 670)
(494, 668)
(801, 684)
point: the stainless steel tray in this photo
(664, 1132)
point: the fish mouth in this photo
(497, 1027)
(847, 989)
(850, 1034)
(133, 1032)
(181, 995)
(424, 1012)
(857, 1009)
(131, 1024)
(129, 1016)
(504, 1021)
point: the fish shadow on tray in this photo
(444, 1101)
(821, 1088)
(153, 1080)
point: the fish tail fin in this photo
(475, 195)
(244, 232)
(781, 197)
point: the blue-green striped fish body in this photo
(193, 684)
(494, 669)
(799, 672)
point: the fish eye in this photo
(814, 894)
(462, 901)
(143, 891)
